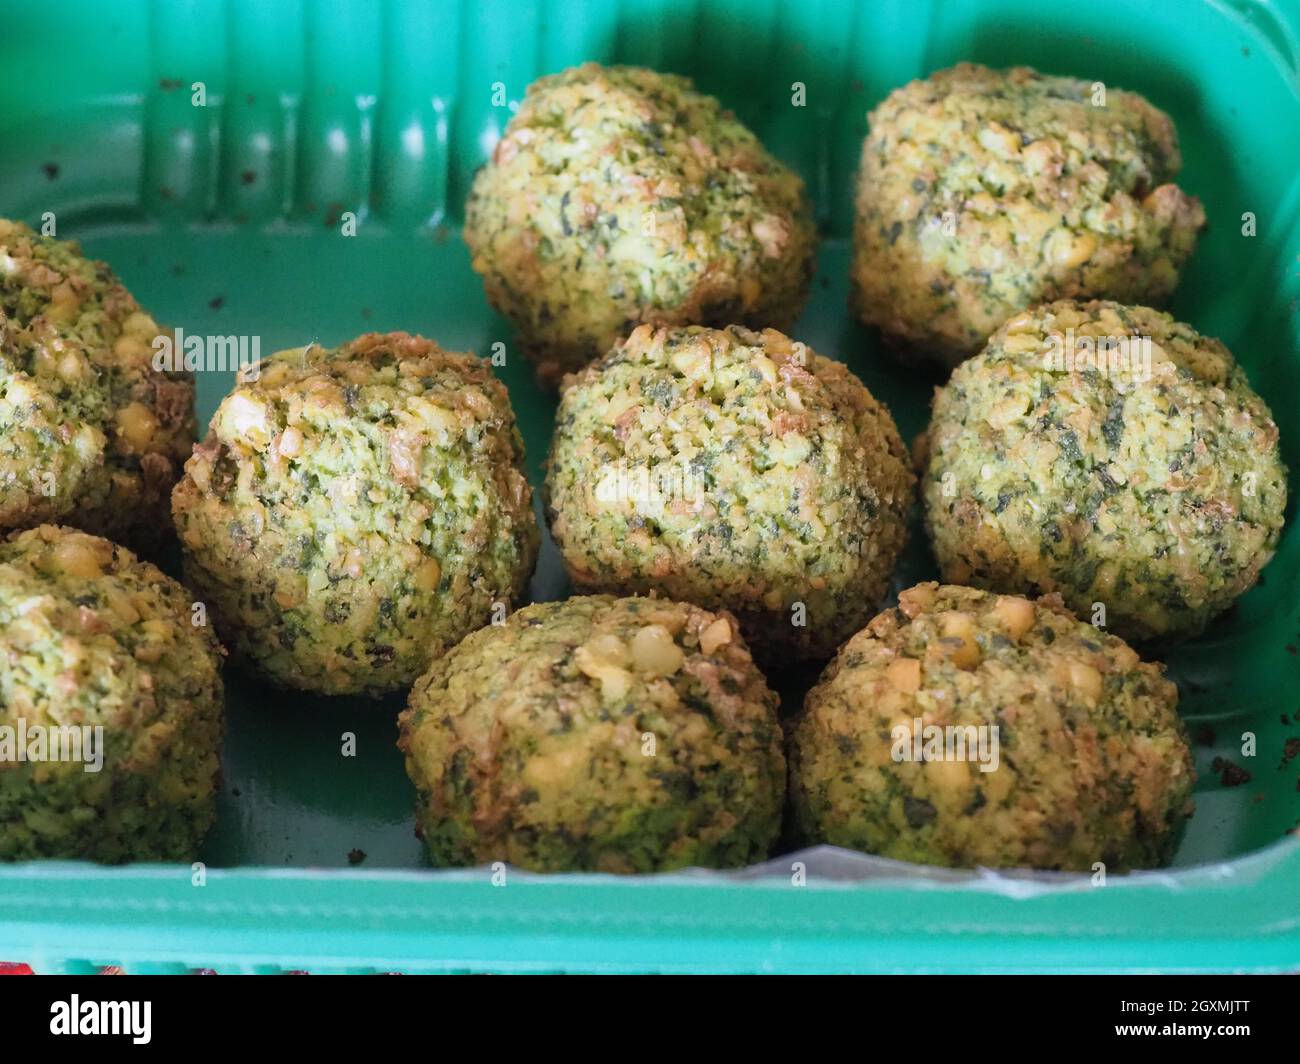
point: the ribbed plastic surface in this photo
(224, 219)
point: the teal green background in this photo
(224, 219)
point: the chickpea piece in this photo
(140, 325)
(136, 425)
(1015, 613)
(132, 349)
(914, 600)
(959, 638)
(904, 674)
(427, 575)
(654, 652)
(717, 634)
(80, 556)
(1086, 680)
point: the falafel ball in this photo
(597, 734)
(620, 195)
(354, 512)
(1112, 455)
(970, 729)
(91, 435)
(982, 192)
(737, 470)
(110, 705)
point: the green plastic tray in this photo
(225, 219)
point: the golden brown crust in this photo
(983, 192)
(1057, 747)
(355, 512)
(621, 196)
(603, 734)
(735, 469)
(91, 433)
